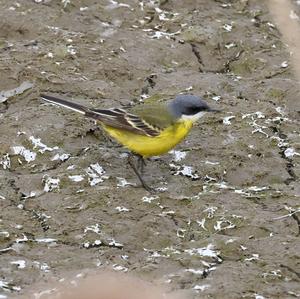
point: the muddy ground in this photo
(226, 222)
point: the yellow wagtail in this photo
(146, 129)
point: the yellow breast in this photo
(147, 146)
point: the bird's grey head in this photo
(189, 107)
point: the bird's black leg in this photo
(141, 164)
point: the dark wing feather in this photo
(121, 119)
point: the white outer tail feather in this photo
(63, 105)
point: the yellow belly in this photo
(151, 146)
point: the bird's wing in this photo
(121, 119)
(147, 121)
(156, 114)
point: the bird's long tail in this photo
(114, 117)
(101, 115)
(64, 103)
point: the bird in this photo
(147, 129)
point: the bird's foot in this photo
(148, 188)
(139, 171)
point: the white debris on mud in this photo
(93, 228)
(226, 120)
(114, 4)
(254, 257)
(4, 234)
(149, 199)
(161, 34)
(178, 155)
(202, 287)
(5, 161)
(229, 45)
(185, 170)
(216, 98)
(31, 194)
(96, 174)
(122, 182)
(5, 285)
(76, 178)
(208, 251)
(37, 143)
(42, 266)
(28, 155)
(122, 209)
(290, 152)
(45, 240)
(51, 184)
(61, 157)
(21, 264)
(195, 271)
(117, 267)
(114, 243)
(227, 27)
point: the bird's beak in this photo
(213, 110)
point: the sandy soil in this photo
(226, 224)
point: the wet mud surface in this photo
(226, 222)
